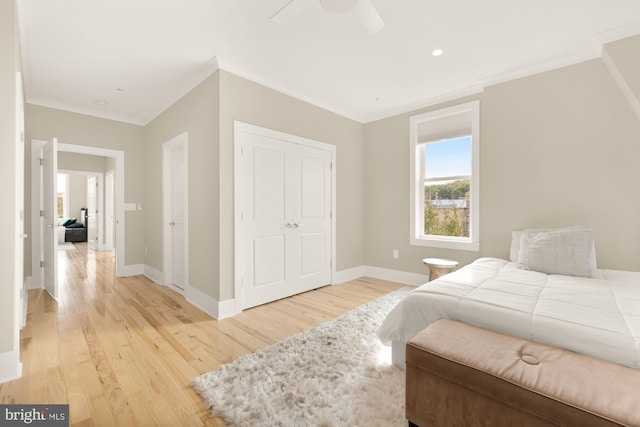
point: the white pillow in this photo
(514, 253)
(515, 240)
(565, 251)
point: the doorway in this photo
(38, 181)
(284, 222)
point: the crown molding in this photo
(86, 111)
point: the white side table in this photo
(439, 267)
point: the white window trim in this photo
(417, 238)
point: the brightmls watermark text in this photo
(34, 415)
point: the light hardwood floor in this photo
(123, 351)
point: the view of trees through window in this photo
(446, 208)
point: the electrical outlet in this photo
(396, 254)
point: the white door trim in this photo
(118, 155)
(238, 196)
(179, 141)
(109, 209)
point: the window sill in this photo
(445, 244)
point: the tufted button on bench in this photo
(461, 375)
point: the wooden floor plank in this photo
(123, 351)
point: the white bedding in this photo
(597, 316)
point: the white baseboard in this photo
(154, 274)
(132, 270)
(413, 279)
(10, 366)
(210, 305)
(348, 274)
(226, 308)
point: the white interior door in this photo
(21, 306)
(311, 211)
(109, 210)
(92, 208)
(50, 216)
(175, 210)
(286, 218)
(178, 220)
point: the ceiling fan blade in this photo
(290, 10)
(369, 16)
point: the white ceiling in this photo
(142, 55)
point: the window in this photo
(444, 178)
(62, 196)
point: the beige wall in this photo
(77, 194)
(44, 123)
(557, 148)
(197, 114)
(10, 64)
(82, 162)
(249, 102)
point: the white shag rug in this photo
(335, 374)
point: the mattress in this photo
(597, 316)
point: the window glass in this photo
(62, 202)
(447, 185)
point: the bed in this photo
(75, 230)
(598, 316)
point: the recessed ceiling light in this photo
(101, 102)
(437, 52)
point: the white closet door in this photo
(311, 214)
(286, 217)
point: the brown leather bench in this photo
(461, 375)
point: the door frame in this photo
(36, 191)
(179, 141)
(240, 128)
